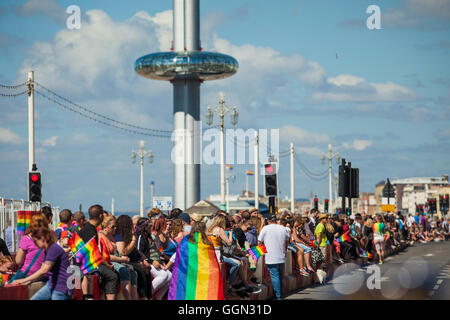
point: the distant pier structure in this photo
(186, 67)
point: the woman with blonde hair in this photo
(29, 256)
(216, 234)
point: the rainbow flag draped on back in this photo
(344, 238)
(378, 227)
(257, 252)
(196, 273)
(23, 221)
(86, 253)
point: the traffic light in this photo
(430, 205)
(34, 186)
(441, 203)
(417, 208)
(434, 206)
(347, 211)
(270, 174)
(326, 206)
(316, 203)
(446, 203)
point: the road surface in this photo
(421, 272)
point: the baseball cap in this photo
(185, 217)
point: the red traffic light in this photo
(34, 177)
(326, 200)
(315, 200)
(269, 169)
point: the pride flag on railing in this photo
(250, 173)
(86, 253)
(196, 272)
(257, 252)
(23, 221)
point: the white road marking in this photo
(439, 281)
(436, 287)
(429, 255)
(430, 293)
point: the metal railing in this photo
(9, 209)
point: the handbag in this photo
(317, 256)
(230, 250)
(22, 275)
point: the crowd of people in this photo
(139, 253)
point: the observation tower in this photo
(186, 67)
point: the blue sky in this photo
(384, 103)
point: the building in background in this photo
(367, 203)
(378, 195)
(416, 191)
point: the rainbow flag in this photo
(75, 243)
(386, 235)
(344, 238)
(87, 254)
(314, 243)
(250, 173)
(228, 166)
(196, 273)
(23, 221)
(257, 252)
(367, 254)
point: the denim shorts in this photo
(305, 248)
(125, 274)
(292, 247)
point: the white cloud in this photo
(312, 151)
(357, 144)
(350, 88)
(9, 137)
(345, 80)
(301, 136)
(50, 142)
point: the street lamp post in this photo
(222, 109)
(141, 153)
(227, 179)
(330, 155)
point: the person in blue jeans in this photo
(56, 264)
(276, 239)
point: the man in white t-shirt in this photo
(276, 239)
